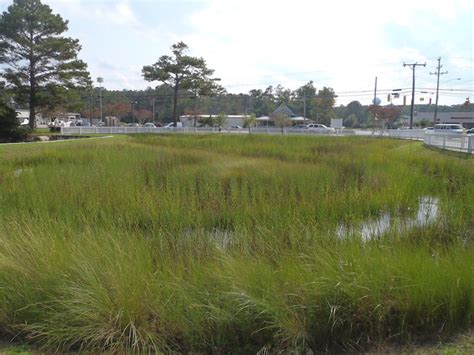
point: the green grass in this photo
(228, 243)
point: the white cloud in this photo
(255, 43)
(343, 43)
(120, 14)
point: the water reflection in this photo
(428, 211)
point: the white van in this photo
(448, 128)
(171, 125)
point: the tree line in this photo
(40, 69)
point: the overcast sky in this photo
(253, 44)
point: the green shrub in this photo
(10, 130)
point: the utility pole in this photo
(437, 73)
(413, 69)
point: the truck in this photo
(55, 126)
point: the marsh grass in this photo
(218, 244)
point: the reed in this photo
(229, 243)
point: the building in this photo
(282, 110)
(23, 116)
(231, 120)
(464, 118)
(238, 120)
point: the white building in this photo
(231, 120)
(464, 118)
(24, 117)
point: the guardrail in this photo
(458, 142)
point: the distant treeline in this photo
(320, 104)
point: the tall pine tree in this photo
(179, 72)
(39, 64)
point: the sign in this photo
(336, 123)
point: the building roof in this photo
(283, 109)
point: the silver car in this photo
(320, 128)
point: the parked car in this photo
(300, 126)
(428, 129)
(320, 128)
(470, 131)
(171, 125)
(448, 128)
(236, 127)
(133, 125)
(149, 125)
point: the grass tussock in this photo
(227, 243)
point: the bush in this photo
(10, 129)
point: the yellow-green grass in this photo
(228, 243)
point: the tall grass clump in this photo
(232, 243)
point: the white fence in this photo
(458, 142)
(158, 130)
(416, 134)
(462, 143)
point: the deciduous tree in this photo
(385, 114)
(324, 104)
(249, 122)
(143, 114)
(281, 121)
(220, 120)
(118, 109)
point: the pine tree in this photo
(179, 72)
(40, 65)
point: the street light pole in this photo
(304, 109)
(100, 81)
(90, 107)
(153, 120)
(133, 110)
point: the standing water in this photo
(428, 211)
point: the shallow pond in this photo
(428, 212)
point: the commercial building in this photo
(464, 118)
